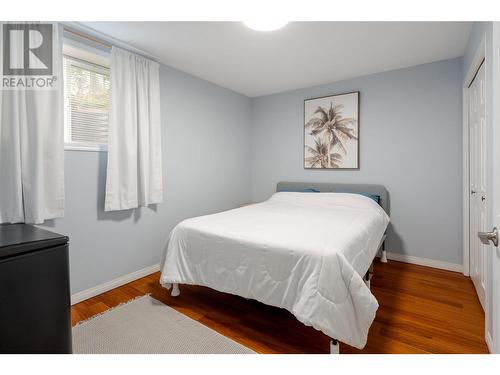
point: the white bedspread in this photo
(305, 252)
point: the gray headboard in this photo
(326, 187)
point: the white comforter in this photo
(305, 252)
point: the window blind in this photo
(86, 102)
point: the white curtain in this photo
(134, 174)
(32, 144)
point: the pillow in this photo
(308, 190)
(376, 198)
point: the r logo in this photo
(27, 49)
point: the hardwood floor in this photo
(422, 310)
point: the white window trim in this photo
(74, 146)
(100, 61)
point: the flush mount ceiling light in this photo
(265, 25)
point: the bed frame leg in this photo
(367, 278)
(334, 347)
(175, 290)
(383, 258)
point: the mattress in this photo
(305, 252)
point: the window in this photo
(86, 102)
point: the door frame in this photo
(494, 342)
(479, 57)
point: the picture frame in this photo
(331, 132)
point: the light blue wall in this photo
(206, 162)
(410, 141)
(221, 149)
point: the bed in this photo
(308, 249)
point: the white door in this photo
(478, 182)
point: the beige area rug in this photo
(147, 326)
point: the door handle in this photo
(472, 192)
(486, 237)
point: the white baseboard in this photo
(115, 283)
(425, 262)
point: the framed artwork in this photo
(331, 132)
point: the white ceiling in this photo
(299, 55)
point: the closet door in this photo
(478, 205)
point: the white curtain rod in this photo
(88, 37)
(84, 32)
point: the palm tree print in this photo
(332, 131)
(320, 156)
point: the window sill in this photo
(92, 148)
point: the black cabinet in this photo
(35, 307)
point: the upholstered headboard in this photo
(326, 187)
